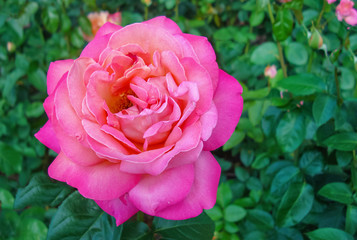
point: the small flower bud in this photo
(11, 47)
(270, 71)
(315, 40)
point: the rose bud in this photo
(270, 71)
(315, 40)
(134, 119)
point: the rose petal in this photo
(229, 104)
(166, 23)
(203, 191)
(55, 72)
(48, 137)
(209, 122)
(103, 181)
(352, 18)
(205, 54)
(120, 208)
(154, 193)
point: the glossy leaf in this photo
(302, 84)
(337, 191)
(323, 109)
(329, 234)
(283, 24)
(346, 141)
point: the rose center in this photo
(120, 102)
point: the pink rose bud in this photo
(11, 47)
(331, 1)
(270, 71)
(98, 19)
(345, 11)
(134, 119)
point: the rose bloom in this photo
(134, 119)
(345, 11)
(98, 19)
(270, 71)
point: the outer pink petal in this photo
(165, 23)
(209, 122)
(55, 72)
(47, 136)
(154, 193)
(100, 41)
(121, 208)
(229, 104)
(206, 55)
(203, 192)
(352, 18)
(150, 38)
(103, 181)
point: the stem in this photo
(337, 82)
(246, 50)
(310, 61)
(320, 15)
(177, 10)
(281, 59)
(280, 49)
(140, 216)
(146, 12)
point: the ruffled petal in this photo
(55, 72)
(229, 104)
(203, 192)
(48, 137)
(165, 23)
(120, 208)
(103, 181)
(154, 193)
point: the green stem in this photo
(337, 82)
(281, 59)
(246, 50)
(177, 10)
(309, 66)
(280, 49)
(140, 216)
(320, 15)
(146, 12)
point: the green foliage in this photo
(289, 171)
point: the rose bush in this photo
(135, 117)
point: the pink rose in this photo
(345, 11)
(135, 117)
(331, 1)
(98, 19)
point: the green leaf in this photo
(215, 213)
(136, 231)
(6, 199)
(81, 218)
(337, 191)
(346, 141)
(256, 18)
(38, 79)
(283, 179)
(329, 234)
(347, 79)
(265, 54)
(234, 213)
(200, 228)
(256, 110)
(85, 25)
(10, 159)
(290, 132)
(35, 109)
(32, 228)
(283, 24)
(255, 94)
(311, 162)
(323, 109)
(42, 191)
(50, 19)
(295, 204)
(296, 53)
(302, 84)
(224, 194)
(262, 219)
(351, 219)
(236, 138)
(261, 161)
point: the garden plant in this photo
(178, 119)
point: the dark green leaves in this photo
(329, 234)
(200, 228)
(346, 141)
(290, 132)
(303, 84)
(283, 24)
(337, 191)
(323, 108)
(265, 53)
(295, 204)
(42, 191)
(10, 159)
